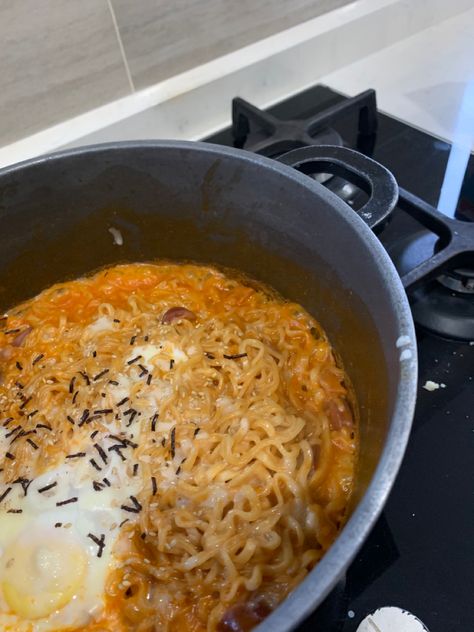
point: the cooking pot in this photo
(211, 204)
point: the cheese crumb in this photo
(431, 386)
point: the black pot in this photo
(206, 203)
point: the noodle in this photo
(246, 442)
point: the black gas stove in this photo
(419, 556)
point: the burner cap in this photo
(460, 280)
(438, 307)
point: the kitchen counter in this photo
(426, 80)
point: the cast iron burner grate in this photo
(440, 288)
(281, 136)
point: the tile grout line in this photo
(122, 49)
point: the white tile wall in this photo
(57, 59)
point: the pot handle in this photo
(367, 174)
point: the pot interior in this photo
(190, 203)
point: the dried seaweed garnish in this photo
(173, 442)
(101, 451)
(84, 417)
(47, 487)
(94, 465)
(61, 503)
(118, 449)
(86, 377)
(99, 541)
(101, 374)
(133, 360)
(136, 506)
(25, 483)
(25, 402)
(12, 432)
(5, 493)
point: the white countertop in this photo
(418, 55)
(426, 80)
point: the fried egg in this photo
(59, 529)
(56, 554)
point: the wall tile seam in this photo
(121, 47)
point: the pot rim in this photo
(319, 582)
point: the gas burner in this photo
(275, 136)
(437, 268)
(460, 280)
(442, 311)
(435, 258)
(263, 133)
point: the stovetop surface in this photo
(419, 555)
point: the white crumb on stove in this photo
(471, 343)
(429, 385)
(117, 235)
(442, 385)
(351, 614)
(406, 354)
(403, 341)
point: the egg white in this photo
(95, 512)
